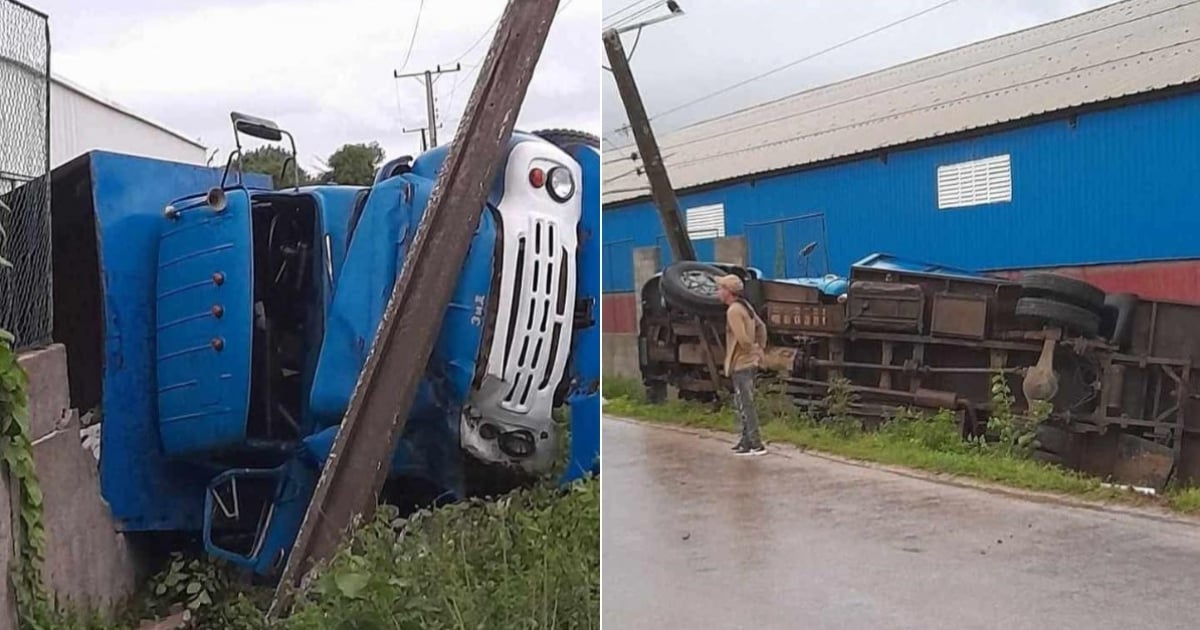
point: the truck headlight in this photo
(561, 184)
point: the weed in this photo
(773, 403)
(839, 407)
(529, 560)
(1017, 433)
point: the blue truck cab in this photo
(266, 304)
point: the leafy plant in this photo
(1017, 433)
(774, 404)
(16, 453)
(839, 402)
(529, 560)
(208, 592)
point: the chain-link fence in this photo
(25, 309)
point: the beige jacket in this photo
(745, 338)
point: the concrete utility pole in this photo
(427, 77)
(358, 464)
(424, 143)
(660, 184)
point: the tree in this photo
(354, 164)
(268, 160)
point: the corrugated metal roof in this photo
(1123, 49)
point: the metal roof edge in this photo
(898, 66)
(1127, 100)
(117, 107)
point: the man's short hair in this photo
(731, 283)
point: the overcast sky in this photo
(718, 43)
(322, 69)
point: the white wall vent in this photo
(974, 183)
(706, 222)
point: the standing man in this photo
(745, 338)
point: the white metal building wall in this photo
(82, 122)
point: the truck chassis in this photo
(1125, 407)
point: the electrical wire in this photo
(634, 16)
(633, 49)
(412, 40)
(808, 57)
(623, 9)
(727, 154)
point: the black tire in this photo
(1068, 316)
(567, 138)
(692, 286)
(1062, 289)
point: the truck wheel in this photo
(1069, 316)
(1062, 289)
(692, 286)
(564, 138)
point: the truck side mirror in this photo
(254, 126)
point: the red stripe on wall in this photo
(618, 313)
(1177, 281)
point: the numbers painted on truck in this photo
(477, 315)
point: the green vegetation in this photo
(529, 561)
(16, 457)
(924, 442)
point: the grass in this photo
(529, 560)
(926, 443)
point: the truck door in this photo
(204, 301)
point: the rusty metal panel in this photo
(886, 306)
(618, 313)
(788, 318)
(790, 293)
(959, 316)
(691, 353)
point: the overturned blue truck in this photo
(216, 325)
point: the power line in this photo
(629, 19)
(462, 78)
(892, 88)
(1032, 81)
(807, 57)
(623, 9)
(413, 39)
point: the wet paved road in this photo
(696, 538)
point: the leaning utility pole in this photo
(359, 461)
(427, 78)
(660, 184)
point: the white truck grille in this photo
(538, 314)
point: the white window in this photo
(706, 222)
(974, 183)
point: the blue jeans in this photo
(743, 399)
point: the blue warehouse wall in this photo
(1114, 186)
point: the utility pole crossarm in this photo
(660, 184)
(427, 77)
(358, 463)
